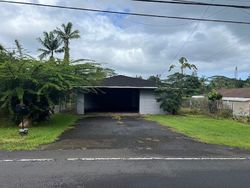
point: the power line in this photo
(220, 51)
(126, 13)
(196, 3)
(189, 36)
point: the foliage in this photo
(42, 133)
(1, 48)
(247, 82)
(40, 85)
(214, 96)
(190, 85)
(225, 113)
(156, 79)
(66, 34)
(208, 130)
(51, 44)
(218, 82)
(170, 99)
(183, 63)
(174, 88)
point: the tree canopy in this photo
(66, 34)
(40, 84)
(51, 44)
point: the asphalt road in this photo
(127, 152)
(93, 174)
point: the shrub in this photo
(214, 96)
(170, 99)
(225, 113)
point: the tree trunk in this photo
(66, 52)
(52, 55)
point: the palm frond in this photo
(171, 67)
(75, 34)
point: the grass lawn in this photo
(42, 133)
(208, 130)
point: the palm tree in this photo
(66, 34)
(51, 44)
(183, 65)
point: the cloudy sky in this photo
(138, 45)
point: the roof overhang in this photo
(236, 99)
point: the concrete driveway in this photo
(137, 135)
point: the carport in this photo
(120, 94)
(112, 100)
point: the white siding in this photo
(80, 104)
(241, 108)
(148, 103)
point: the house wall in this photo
(148, 103)
(239, 108)
(80, 104)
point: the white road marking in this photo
(157, 158)
(26, 160)
(132, 159)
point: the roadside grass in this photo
(41, 133)
(207, 129)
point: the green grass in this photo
(42, 133)
(208, 130)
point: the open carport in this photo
(112, 100)
(120, 94)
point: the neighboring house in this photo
(238, 99)
(120, 94)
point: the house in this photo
(120, 94)
(237, 99)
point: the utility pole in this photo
(236, 73)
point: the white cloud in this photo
(133, 45)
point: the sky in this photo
(138, 46)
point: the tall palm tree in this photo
(66, 34)
(183, 65)
(51, 44)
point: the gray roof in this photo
(121, 81)
(235, 92)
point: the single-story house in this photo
(120, 94)
(237, 99)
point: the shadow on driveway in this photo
(138, 135)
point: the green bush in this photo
(170, 99)
(214, 96)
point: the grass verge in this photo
(207, 129)
(42, 133)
